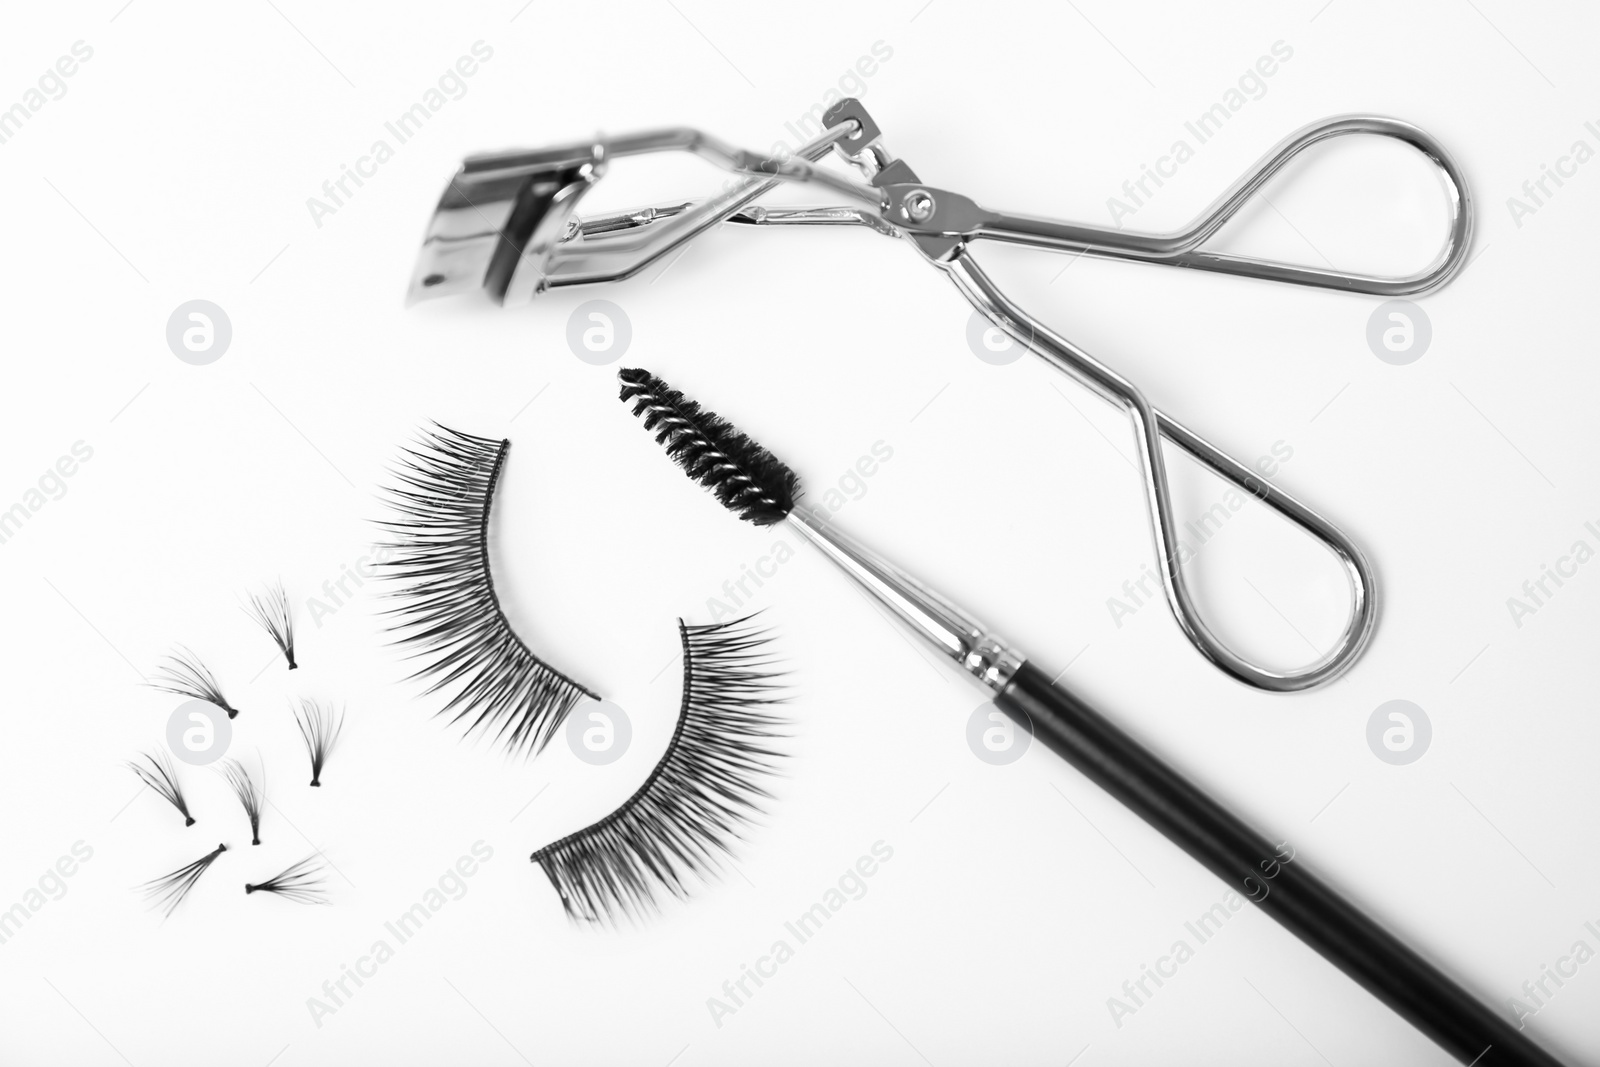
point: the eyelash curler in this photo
(508, 224)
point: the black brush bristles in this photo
(251, 793)
(271, 612)
(320, 726)
(748, 479)
(300, 882)
(170, 890)
(448, 613)
(700, 796)
(162, 777)
(182, 674)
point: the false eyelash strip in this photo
(184, 675)
(252, 794)
(703, 792)
(320, 726)
(162, 777)
(300, 882)
(170, 890)
(448, 613)
(272, 613)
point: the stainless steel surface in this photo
(518, 235)
(754, 215)
(957, 216)
(507, 222)
(943, 625)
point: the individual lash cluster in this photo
(301, 882)
(707, 786)
(182, 674)
(271, 612)
(320, 726)
(251, 792)
(447, 614)
(161, 776)
(170, 890)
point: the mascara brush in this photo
(759, 488)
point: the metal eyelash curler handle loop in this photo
(1150, 426)
(943, 224)
(921, 210)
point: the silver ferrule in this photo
(943, 625)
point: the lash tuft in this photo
(301, 882)
(271, 611)
(252, 794)
(183, 674)
(170, 890)
(161, 776)
(320, 725)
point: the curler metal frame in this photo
(507, 223)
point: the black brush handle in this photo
(1268, 874)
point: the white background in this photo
(1019, 899)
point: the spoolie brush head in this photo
(749, 480)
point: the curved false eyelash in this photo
(252, 794)
(448, 614)
(182, 674)
(270, 610)
(162, 777)
(320, 726)
(300, 882)
(702, 793)
(170, 890)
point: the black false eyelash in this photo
(162, 777)
(271, 612)
(703, 792)
(320, 726)
(252, 794)
(184, 675)
(170, 890)
(448, 614)
(300, 882)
